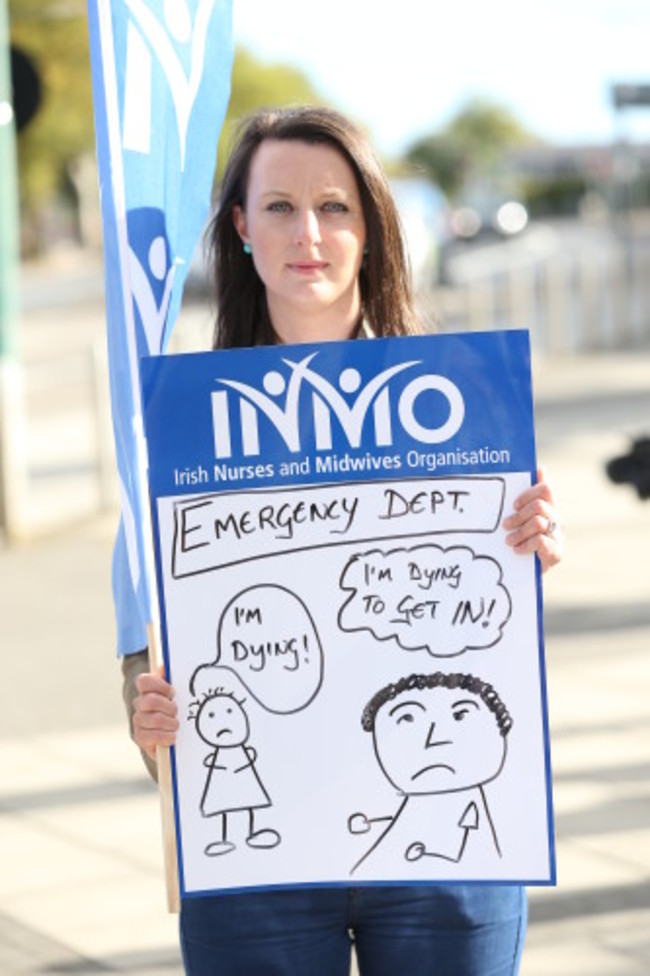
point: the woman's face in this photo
(305, 225)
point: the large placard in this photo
(357, 656)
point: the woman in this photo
(308, 248)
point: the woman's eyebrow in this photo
(404, 705)
(327, 191)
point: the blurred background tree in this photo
(54, 35)
(473, 144)
(256, 85)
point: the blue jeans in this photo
(453, 930)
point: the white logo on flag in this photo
(153, 316)
(136, 134)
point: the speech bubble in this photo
(444, 600)
(267, 637)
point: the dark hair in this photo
(467, 682)
(242, 313)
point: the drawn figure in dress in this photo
(233, 784)
(438, 738)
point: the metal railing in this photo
(573, 303)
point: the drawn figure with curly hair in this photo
(438, 738)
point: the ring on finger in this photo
(551, 528)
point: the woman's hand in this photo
(155, 719)
(535, 524)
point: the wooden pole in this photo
(166, 792)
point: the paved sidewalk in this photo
(81, 887)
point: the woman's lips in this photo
(307, 267)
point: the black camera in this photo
(633, 468)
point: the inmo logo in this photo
(351, 404)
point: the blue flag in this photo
(161, 82)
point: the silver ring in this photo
(551, 529)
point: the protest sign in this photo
(357, 655)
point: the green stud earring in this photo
(248, 249)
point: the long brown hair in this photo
(242, 312)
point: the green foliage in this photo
(55, 35)
(442, 160)
(557, 196)
(472, 144)
(487, 129)
(258, 85)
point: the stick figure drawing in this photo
(438, 739)
(233, 784)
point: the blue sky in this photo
(404, 68)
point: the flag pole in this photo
(165, 789)
(163, 757)
(139, 215)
